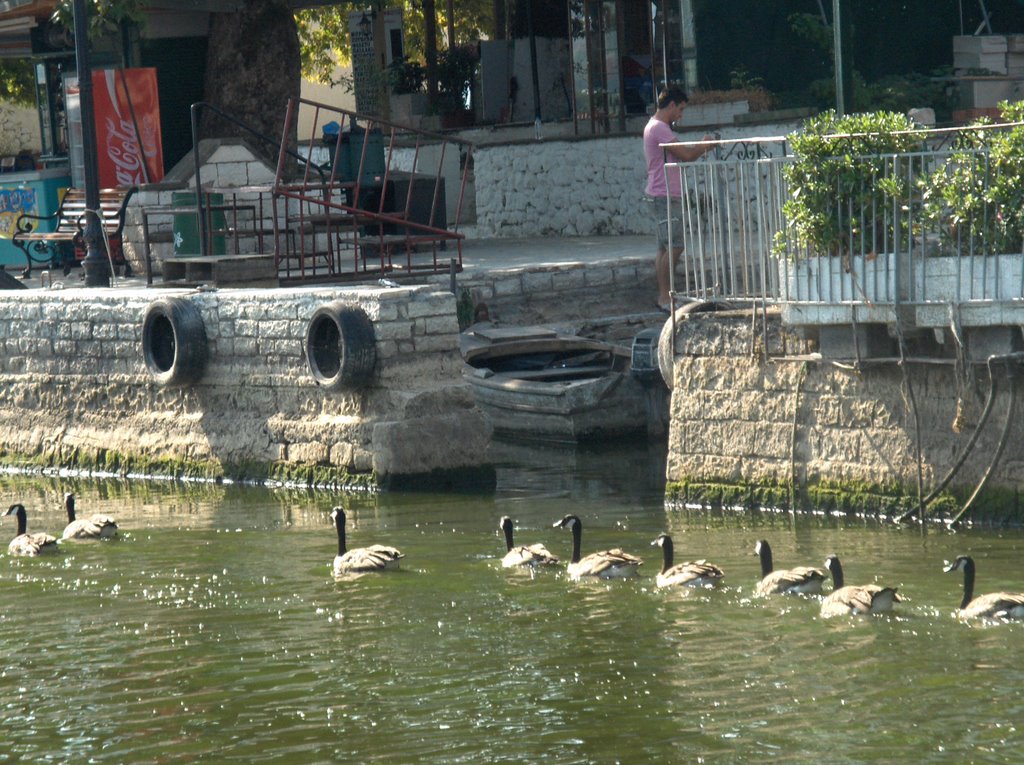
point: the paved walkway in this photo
(512, 253)
(477, 255)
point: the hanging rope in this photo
(792, 441)
(968, 448)
(1003, 438)
(911, 403)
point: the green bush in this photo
(976, 199)
(405, 76)
(844, 183)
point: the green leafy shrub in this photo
(405, 76)
(456, 70)
(976, 199)
(845, 182)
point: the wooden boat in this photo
(535, 382)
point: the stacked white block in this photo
(982, 53)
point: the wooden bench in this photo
(65, 240)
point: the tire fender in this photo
(174, 343)
(666, 360)
(341, 348)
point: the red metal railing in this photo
(376, 205)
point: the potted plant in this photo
(456, 71)
(974, 202)
(847, 187)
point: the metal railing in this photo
(361, 213)
(931, 226)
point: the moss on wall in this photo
(999, 506)
(109, 462)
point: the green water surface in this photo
(213, 631)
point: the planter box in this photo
(856, 279)
(834, 290)
(968, 278)
(987, 290)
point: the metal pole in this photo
(837, 37)
(200, 212)
(95, 265)
(533, 68)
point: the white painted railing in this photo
(932, 226)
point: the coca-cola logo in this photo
(123, 150)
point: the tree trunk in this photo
(430, 48)
(252, 69)
(500, 31)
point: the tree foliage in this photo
(843, 180)
(17, 82)
(105, 16)
(324, 36)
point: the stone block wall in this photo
(74, 387)
(739, 419)
(571, 187)
(566, 292)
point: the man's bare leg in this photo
(661, 270)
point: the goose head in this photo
(18, 511)
(964, 563)
(569, 521)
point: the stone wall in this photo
(571, 187)
(830, 430)
(564, 293)
(75, 389)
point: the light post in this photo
(837, 51)
(95, 265)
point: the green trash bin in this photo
(373, 162)
(186, 230)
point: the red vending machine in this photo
(128, 140)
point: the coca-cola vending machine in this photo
(128, 142)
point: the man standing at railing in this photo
(671, 103)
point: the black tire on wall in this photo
(341, 348)
(174, 342)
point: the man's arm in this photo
(690, 153)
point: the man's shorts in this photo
(656, 209)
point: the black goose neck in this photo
(577, 538)
(19, 513)
(506, 527)
(968, 582)
(836, 569)
(764, 550)
(667, 553)
(339, 524)
(69, 507)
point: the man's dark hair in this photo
(670, 95)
